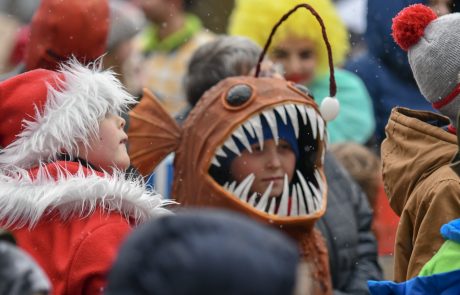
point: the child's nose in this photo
(274, 161)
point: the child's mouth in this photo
(301, 196)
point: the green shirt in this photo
(356, 121)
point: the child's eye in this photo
(284, 146)
(256, 148)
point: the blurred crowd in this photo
(183, 147)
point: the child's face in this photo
(298, 57)
(270, 164)
(108, 150)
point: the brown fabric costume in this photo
(421, 186)
(153, 135)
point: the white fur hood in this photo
(25, 199)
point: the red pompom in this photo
(410, 23)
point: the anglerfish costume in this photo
(225, 119)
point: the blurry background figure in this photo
(364, 166)
(56, 35)
(167, 43)
(212, 62)
(208, 252)
(15, 16)
(384, 67)
(353, 14)
(19, 273)
(299, 47)
(126, 20)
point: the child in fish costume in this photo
(242, 116)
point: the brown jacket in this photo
(421, 187)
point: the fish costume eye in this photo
(238, 95)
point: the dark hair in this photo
(205, 252)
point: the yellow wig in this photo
(255, 19)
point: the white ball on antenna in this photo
(329, 108)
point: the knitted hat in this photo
(205, 252)
(45, 113)
(61, 29)
(433, 46)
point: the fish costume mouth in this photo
(225, 121)
(292, 110)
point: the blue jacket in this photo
(384, 68)
(439, 284)
(440, 275)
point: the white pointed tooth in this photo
(225, 186)
(271, 120)
(245, 192)
(263, 200)
(319, 180)
(220, 152)
(312, 118)
(317, 196)
(257, 125)
(231, 187)
(294, 203)
(284, 203)
(302, 204)
(231, 145)
(290, 108)
(271, 210)
(320, 127)
(239, 133)
(252, 200)
(306, 191)
(303, 113)
(248, 127)
(215, 162)
(282, 112)
(242, 186)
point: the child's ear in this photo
(152, 133)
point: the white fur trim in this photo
(23, 200)
(71, 114)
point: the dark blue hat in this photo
(205, 252)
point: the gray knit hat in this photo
(433, 45)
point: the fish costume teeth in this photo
(228, 118)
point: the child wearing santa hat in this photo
(63, 191)
(422, 188)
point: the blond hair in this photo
(255, 19)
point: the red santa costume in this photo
(70, 217)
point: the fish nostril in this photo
(304, 90)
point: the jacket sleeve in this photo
(94, 257)
(438, 206)
(366, 266)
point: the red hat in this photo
(61, 29)
(21, 96)
(45, 113)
